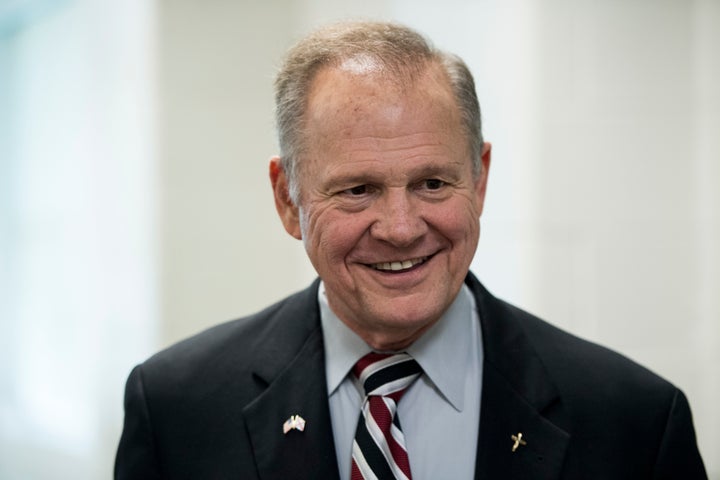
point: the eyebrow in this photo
(342, 181)
(374, 177)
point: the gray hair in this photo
(402, 52)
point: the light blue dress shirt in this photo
(440, 412)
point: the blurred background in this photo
(135, 208)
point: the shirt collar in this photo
(343, 348)
(443, 351)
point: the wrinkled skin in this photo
(389, 207)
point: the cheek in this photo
(457, 223)
(330, 235)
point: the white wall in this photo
(224, 252)
(603, 214)
(77, 237)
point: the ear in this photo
(481, 181)
(286, 208)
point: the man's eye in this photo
(434, 184)
(358, 190)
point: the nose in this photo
(399, 220)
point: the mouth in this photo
(398, 265)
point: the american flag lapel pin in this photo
(295, 422)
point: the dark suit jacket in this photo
(213, 406)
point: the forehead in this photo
(359, 95)
(361, 125)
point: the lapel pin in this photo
(295, 422)
(518, 441)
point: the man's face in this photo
(389, 208)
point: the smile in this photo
(398, 265)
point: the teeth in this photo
(398, 265)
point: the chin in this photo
(411, 319)
(398, 333)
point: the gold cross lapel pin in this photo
(518, 439)
(295, 422)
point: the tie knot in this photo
(387, 375)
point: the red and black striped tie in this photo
(379, 450)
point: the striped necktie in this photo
(379, 450)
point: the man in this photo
(382, 176)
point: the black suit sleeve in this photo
(678, 456)
(136, 456)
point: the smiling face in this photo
(389, 208)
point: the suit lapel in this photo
(504, 413)
(517, 397)
(294, 387)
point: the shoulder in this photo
(604, 400)
(582, 370)
(234, 349)
(588, 366)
